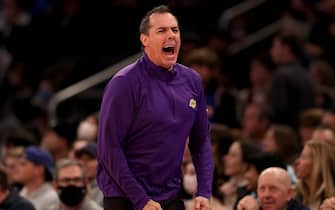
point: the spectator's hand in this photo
(202, 203)
(247, 203)
(328, 204)
(152, 205)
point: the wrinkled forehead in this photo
(279, 180)
(166, 19)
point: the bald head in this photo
(274, 188)
(278, 174)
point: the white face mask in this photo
(190, 183)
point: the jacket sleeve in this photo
(116, 115)
(200, 147)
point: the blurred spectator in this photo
(315, 169)
(221, 102)
(322, 36)
(11, 164)
(9, 199)
(235, 165)
(255, 122)
(260, 83)
(323, 78)
(58, 139)
(310, 119)
(282, 141)
(88, 129)
(222, 138)
(77, 145)
(35, 172)
(329, 119)
(274, 192)
(292, 89)
(87, 155)
(71, 185)
(325, 133)
(256, 164)
(300, 18)
(190, 186)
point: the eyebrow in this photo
(167, 27)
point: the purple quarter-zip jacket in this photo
(146, 115)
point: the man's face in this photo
(251, 121)
(272, 193)
(27, 171)
(70, 175)
(51, 142)
(162, 42)
(90, 163)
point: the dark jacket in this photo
(16, 202)
(295, 204)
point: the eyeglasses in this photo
(74, 180)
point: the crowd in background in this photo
(283, 115)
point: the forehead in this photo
(70, 171)
(158, 20)
(25, 161)
(270, 180)
(235, 146)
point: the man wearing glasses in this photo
(71, 185)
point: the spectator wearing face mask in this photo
(88, 157)
(190, 186)
(71, 185)
(190, 179)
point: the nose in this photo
(171, 34)
(266, 194)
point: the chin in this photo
(168, 65)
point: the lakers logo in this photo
(193, 103)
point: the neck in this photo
(150, 57)
(33, 185)
(65, 207)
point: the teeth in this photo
(167, 49)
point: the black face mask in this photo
(71, 195)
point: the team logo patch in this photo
(193, 103)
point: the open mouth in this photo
(169, 50)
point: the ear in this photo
(144, 39)
(54, 185)
(290, 193)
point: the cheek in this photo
(272, 147)
(304, 169)
(234, 167)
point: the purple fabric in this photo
(146, 115)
